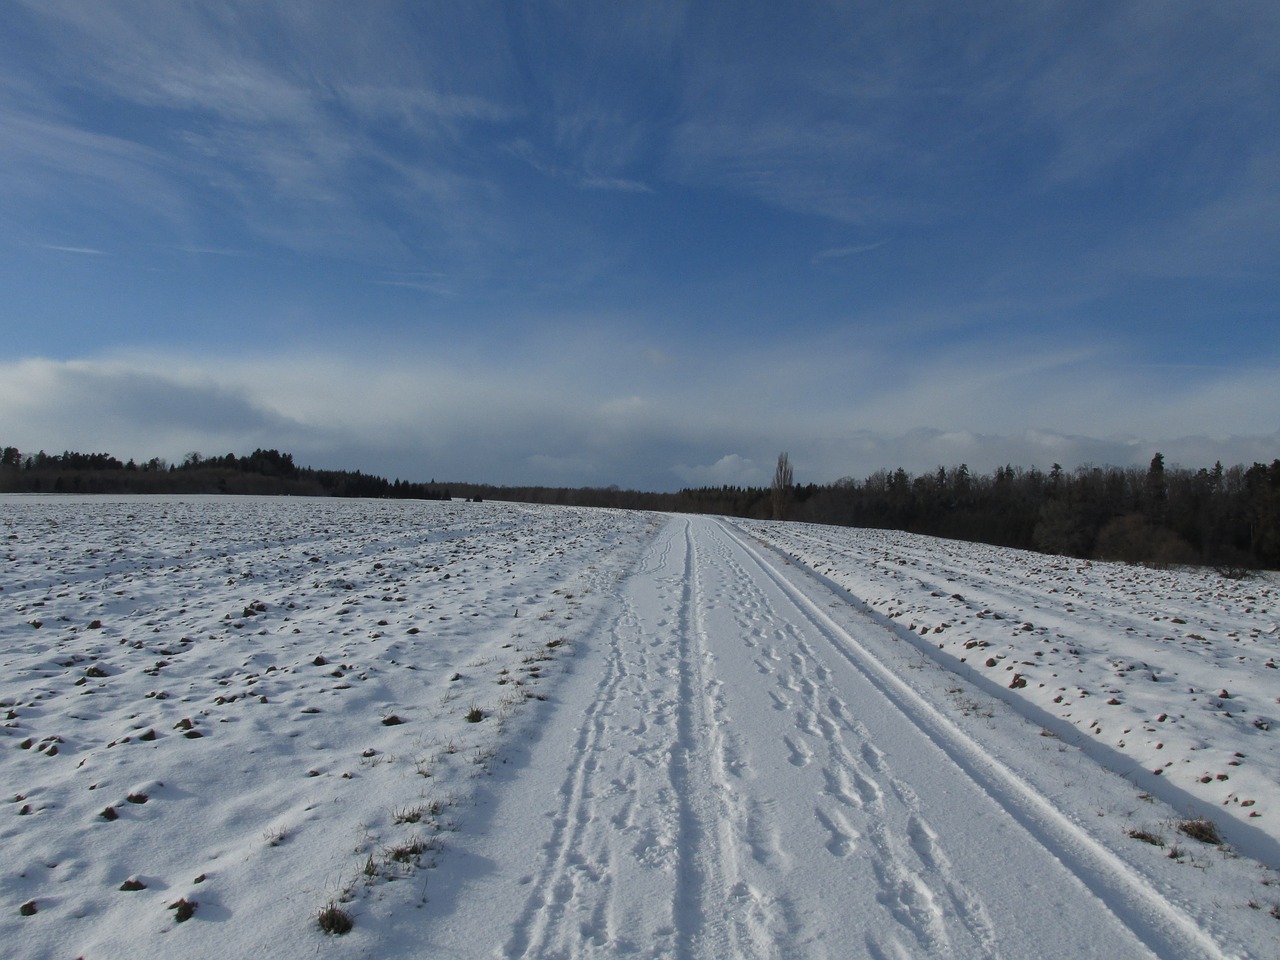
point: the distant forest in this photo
(1226, 517)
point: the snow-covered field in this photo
(258, 705)
(1172, 673)
(500, 730)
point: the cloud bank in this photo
(689, 421)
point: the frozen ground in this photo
(495, 730)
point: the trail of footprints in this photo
(616, 820)
(864, 808)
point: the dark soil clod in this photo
(185, 909)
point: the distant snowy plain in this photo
(498, 730)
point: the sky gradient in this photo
(648, 244)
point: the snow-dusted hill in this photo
(497, 730)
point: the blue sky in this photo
(645, 244)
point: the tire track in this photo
(616, 835)
(556, 882)
(697, 872)
(751, 920)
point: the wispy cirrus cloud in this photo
(1035, 105)
(1124, 81)
(313, 142)
(56, 164)
(843, 253)
(81, 251)
(435, 283)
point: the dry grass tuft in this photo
(407, 852)
(409, 814)
(1146, 836)
(333, 920)
(1202, 829)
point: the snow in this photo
(1174, 673)
(692, 737)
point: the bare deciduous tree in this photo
(782, 482)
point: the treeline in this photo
(263, 472)
(1228, 517)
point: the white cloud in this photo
(101, 171)
(129, 409)
(730, 470)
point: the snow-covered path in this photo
(744, 778)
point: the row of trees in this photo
(1224, 516)
(1228, 516)
(263, 472)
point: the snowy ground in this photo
(497, 730)
(1173, 673)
